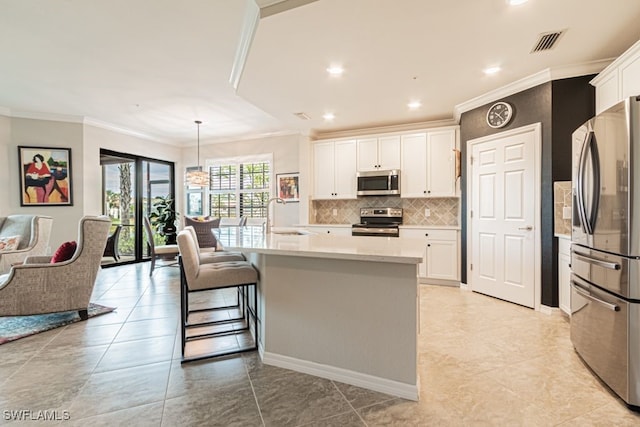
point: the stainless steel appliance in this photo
(379, 183)
(605, 250)
(378, 222)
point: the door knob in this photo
(527, 228)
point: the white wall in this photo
(44, 133)
(285, 151)
(8, 155)
(97, 138)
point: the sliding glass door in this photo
(131, 186)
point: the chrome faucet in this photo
(268, 222)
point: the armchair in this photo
(38, 287)
(34, 232)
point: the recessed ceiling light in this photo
(516, 2)
(329, 116)
(491, 70)
(335, 70)
(414, 105)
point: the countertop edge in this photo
(395, 259)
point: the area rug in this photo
(15, 327)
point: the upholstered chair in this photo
(38, 286)
(206, 255)
(34, 232)
(202, 324)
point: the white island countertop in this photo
(252, 239)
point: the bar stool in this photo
(194, 323)
(207, 255)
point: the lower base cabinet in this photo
(564, 274)
(441, 259)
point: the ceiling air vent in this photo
(302, 116)
(547, 41)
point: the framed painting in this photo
(288, 186)
(45, 176)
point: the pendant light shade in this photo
(199, 177)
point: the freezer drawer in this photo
(615, 273)
(600, 335)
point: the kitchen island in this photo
(339, 307)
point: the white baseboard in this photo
(545, 309)
(464, 287)
(395, 388)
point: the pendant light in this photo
(199, 177)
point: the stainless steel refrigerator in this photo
(605, 250)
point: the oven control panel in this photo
(381, 212)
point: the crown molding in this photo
(67, 118)
(248, 137)
(89, 121)
(533, 80)
(631, 52)
(405, 127)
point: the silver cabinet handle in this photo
(598, 262)
(527, 228)
(586, 294)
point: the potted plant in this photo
(163, 216)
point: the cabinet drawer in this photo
(429, 234)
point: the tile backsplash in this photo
(561, 199)
(443, 211)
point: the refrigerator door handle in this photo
(580, 188)
(583, 292)
(598, 262)
(595, 195)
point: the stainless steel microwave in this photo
(379, 183)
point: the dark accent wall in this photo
(560, 106)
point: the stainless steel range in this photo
(382, 222)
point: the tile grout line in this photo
(255, 396)
(349, 403)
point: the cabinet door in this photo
(413, 182)
(607, 92)
(442, 259)
(564, 283)
(346, 185)
(441, 163)
(323, 170)
(389, 152)
(367, 154)
(630, 77)
(420, 235)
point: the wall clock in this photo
(499, 114)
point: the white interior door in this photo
(504, 221)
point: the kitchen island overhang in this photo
(339, 307)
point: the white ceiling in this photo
(154, 66)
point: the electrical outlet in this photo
(566, 212)
(427, 212)
(335, 212)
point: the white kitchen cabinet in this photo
(620, 80)
(441, 259)
(334, 170)
(328, 229)
(564, 274)
(381, 153)
(428, 164)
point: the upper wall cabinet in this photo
(620, 80)
(428, 164)
(381, 153)
(334, 169)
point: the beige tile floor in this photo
(483, 362)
